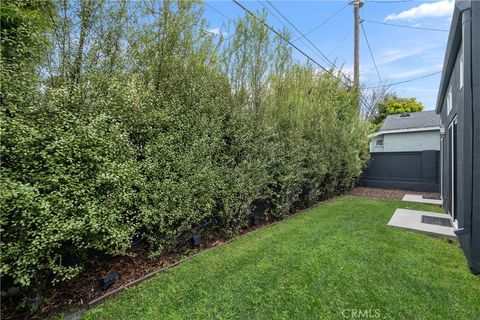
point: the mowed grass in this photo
(322, 264)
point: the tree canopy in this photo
(393, 104)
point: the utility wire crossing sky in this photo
(402, 45)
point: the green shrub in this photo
(67, 187)
(153, 129)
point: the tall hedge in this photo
(142, 124)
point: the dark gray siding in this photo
(475, 78)
(447, 118)
(465, 28)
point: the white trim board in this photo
(379, 133)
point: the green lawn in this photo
(332, 259)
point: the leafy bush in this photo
(67, 187)
(154, 127)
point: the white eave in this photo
(379, 133)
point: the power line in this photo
(340, 41)
(340, 73)
(400, 82)
(324, 21)
(222, 14)
(296, 48)
(371, 53)
(405, 26)
(300, 32)
(280, 35)
(392, 1)
(271, 29)
(323, 55)
(279, 20)
(217, 11)
(308, 40)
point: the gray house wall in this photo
(475, 152)
(461, 180)
(407, 141)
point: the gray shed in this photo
(416, 131)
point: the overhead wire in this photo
(280, 35)
(217, 11)
(309, 58)
(386, 1)
(404, 81)
(371, 52)
(279, 20)
(321, 53)
(404, 26)
(325, 21)
(309, 41)
(300, 32)
(349, 32)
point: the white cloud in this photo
(348, 70)
(420, 89)
(443, 8)
(416, 72)
(217, 31)
(392, 54)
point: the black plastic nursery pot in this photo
(108, 280)
(196, 240)
(258, 212)
(256, 220)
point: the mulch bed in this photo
(387, 193)
(84, 288)
(77, 293)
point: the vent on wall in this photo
(444, 222)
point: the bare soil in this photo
(77, 293)
(391, 194)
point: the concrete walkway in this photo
(420, 199)
(412, 220)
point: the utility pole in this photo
(357, 4)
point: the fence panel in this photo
(415, 171)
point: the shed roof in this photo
(414, 120)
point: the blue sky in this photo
(401, 53)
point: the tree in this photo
(393, 104)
